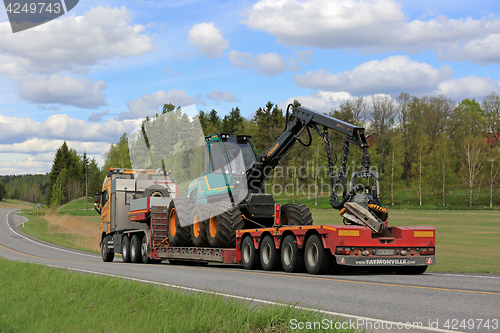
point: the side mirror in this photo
(96, 203)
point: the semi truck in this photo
(227, 216)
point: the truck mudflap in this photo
(385, 261)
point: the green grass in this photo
(78, 208)
(36, 298)
(466, 241)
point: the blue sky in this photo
(94, 73)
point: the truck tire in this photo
(125, 248)
(269, 255)
(292, 258)
(145, 251)
(135, 249)
(249, 254)
(224, 221)
(317, 259)
(295, 214)
(107, 254)
(179, 224)
(201, 215)
(155, 191)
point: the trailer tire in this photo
(145, 251)
(295, 214)
(179, 224)
(269, 255)
(125, 248)
(292, 258)
(107, 255)
(223, 223)
(249, 254)
(135, 249)
(317, 259)
(155, 191)
(200, 218)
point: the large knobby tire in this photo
(269, 255)
(292, 258)
(224, 221)
(201, 216)
(318, 260)
(145, 251)
(295, 214)
(249, 254)
(107, 254)
(179, 222)
(126, 248)
(135, 249)
(155, 191)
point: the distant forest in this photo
(430, 145)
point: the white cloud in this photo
(302, 57)
(218, 96)
(96, 117)
(149, 105)
(66, 90)
(482, 51)
(269, 64)
(391, 75)
(208, 39)
(468, 87)
(322, 101)
(371, 26)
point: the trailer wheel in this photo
(292, 258)
(107, 254)
(223, 223)
(135, 249)
(411, 270)
(144, 251)
(249, 254)
(201, 215)
(126, 248)
(179, 222)
(269, 255)
(155, 191)
(318, 260)
(295, 214)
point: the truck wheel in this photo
(155, 191)
(107, 255)
(295, 214)
(144, 251)
(135, 249)
(126, 248)
(292, 258)
(317, 259)
(269, 255)
(223, 223)
(179, 224)
(411, 270)
(249, 255)
(201, 215)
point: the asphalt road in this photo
(378, 301)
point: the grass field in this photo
(36, 298)
(466, 241)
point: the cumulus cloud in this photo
(219, 96)
(468, 87)
(301, 57)
(149, 105)
(390, 75)
(269, 64)
(66, 90)
(372, 26)
(322, 101)
(208, 39)
(96, 117)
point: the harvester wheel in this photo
(292, 258)
(295, 214)
(224, 221)
(318, 260)
(155, 191)
(107, 254)
(144, 251)
(126, 248)
(269, 255)
(179, 222)
(249, 254)
(135, 249)
(200, 217)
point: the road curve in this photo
(430, 299)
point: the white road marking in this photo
(52, 247)
(469, 276)
(331, 313)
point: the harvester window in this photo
(217, 158)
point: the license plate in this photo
(385, 252)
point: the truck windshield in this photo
(241, 156)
